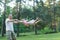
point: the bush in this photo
(22, 28)
(46, 30)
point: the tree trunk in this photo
(18, 15)
(3, 20)
(35, 28)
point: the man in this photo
(9, 28)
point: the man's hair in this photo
(10, 14)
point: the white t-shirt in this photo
(9, 25)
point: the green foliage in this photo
(22, 28)
(7, 11)
(46, 30)
(0, 23)
(8, 1)
(26, 13)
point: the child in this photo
(31, 22)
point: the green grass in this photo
(31, 36)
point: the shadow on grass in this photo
(23, 35)
(50, 32)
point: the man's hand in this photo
(18, 21)
(15, 20)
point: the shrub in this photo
(46, 30)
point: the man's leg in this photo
(8, 34)
(13, 36)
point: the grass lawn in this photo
(31, 36)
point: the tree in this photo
(18, 2)
(4, 16)
(54, 11)
(3, 20)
